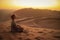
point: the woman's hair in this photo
(13, 17)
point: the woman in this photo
(13, 24)
(14, 27)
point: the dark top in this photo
(13, 17)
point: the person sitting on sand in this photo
(14, 27)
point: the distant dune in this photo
(29, 12)
(42, 17)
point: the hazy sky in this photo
(43, 4)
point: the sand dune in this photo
(30, 33)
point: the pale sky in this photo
(43, 4)
(34, 2)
